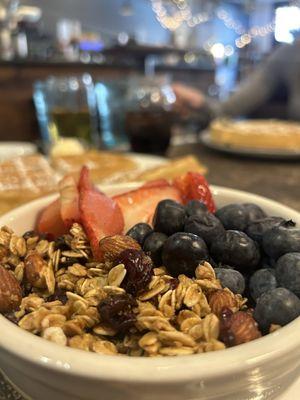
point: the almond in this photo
(112, 246)
(35, 267)
(10, 291)
(220, 299)
(243, 328)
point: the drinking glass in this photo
(111, 96)
(66, 107)
(150, 115)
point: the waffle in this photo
(257, 134)
(23, 179)
(105, 166)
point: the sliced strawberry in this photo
(49, 221)
(100, 215)
(69, 198)
(139, 205)
(193, 186)
(156, 183)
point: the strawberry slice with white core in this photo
(100, 215)
(69, 198)
(49, 221)
(139, 205)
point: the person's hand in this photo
(188, 100)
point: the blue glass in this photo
(111, 105)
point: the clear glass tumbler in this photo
(66, 107)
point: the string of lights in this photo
(182, 13)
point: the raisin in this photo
(228, 338)
(11, 317)
(61, 244)
(117, 311)
(29, 234)
(174, 282)
(60, 295)
(138, 270)
(225, 319)
(46, 236)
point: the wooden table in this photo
(278, 180)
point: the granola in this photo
(64, 289)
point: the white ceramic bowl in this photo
(261, 369)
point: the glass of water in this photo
(66, 107)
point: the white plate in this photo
(14, 149)
(206, 139)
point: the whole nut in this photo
(243, 328)
(10, 291)
(35, 267)
(220, 299)
(112, 246)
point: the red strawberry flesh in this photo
(49, 221)
(100, 215)
(139, 205)
(193, 186)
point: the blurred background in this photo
(102, 70)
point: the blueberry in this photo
(262, 281)
(233, 216)
(288, 272)
(236, 249)
(258, 228)
(281, 239)
(169, 217)
(277, 306)
(208, 227)
(195, 207)
(153, 246)
(238, 216)
(254, 212)
(139, 232)
(183, 252)
(231, 279)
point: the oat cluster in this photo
(62, 288)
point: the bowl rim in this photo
(157, 369)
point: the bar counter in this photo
(17, 114)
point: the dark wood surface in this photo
(278, 180)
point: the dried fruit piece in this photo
(193, 186)
(117, 311)
(50, 222)
(221, 299)
(35, 267)
(112, 246)
(100, 215)
(138, 270)
(10, 291)
(139, 205)
(240, 328)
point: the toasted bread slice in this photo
(172, 169)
